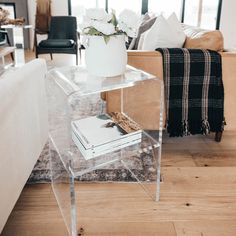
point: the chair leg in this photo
(51, 56)
(218, 136)
(9, 43)
(8, 40)
(12, 56)
(80, 54)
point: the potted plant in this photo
(104, 40)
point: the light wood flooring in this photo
(198, 198)
(198, 195)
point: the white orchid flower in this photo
(129, 22)
(105, 28)
(99, 22)
(98, 14)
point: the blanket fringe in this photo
(185, 128)
(205, 127)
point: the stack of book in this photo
(98, 135)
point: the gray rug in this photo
(143, 166)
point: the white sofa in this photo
(23, 130)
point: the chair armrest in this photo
(3, 32)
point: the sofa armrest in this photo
(229, 80)
(228, 54)
(23, 129)
(139, 53)
(149, 61)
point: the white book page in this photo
(97, 131)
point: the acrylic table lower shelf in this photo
(138, 163)
(134, 163)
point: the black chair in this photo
(4, 40)
(62, 37)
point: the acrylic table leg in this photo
(63, 189)
(160, 142)
(73, 207)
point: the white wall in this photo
(59, 8)
(227, 24)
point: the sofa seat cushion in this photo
(57, 43)
(203, 39)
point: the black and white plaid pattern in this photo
(194, 91)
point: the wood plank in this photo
(184, 198)
(36, 213)
(180, 158)
(205, 228)
(42, 228)
(97, 228)
(214, 158)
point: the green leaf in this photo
(114, 20)
(93, 31)
(106, 38)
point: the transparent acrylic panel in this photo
(63, 188)
(75, 79)
(144, 110)
(74, 95)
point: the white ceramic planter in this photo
(105, 59)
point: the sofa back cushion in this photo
(203, 39)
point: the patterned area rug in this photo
(142, 166)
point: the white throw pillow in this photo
(141, 40)
(164, 34)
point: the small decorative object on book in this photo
(104, 40)
(98, 135)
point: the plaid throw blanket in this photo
(194, 92)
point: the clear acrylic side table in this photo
(73, 95)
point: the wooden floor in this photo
(198, 198)
(198, 195)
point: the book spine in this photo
(95, 152)
(80, 134)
